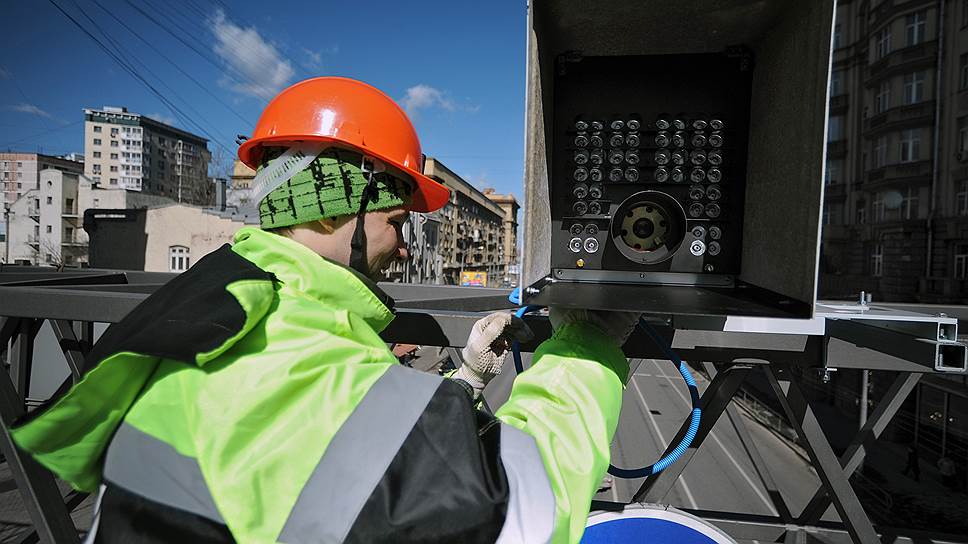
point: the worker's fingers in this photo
(494, 325)
(518, 330)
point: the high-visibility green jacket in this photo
(252, 399)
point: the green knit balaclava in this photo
(331, 186)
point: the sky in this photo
(456, 67)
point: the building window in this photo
(835, 128)
(96, 179)
(97, 128)
(97, 154)
(961, 261)
(114, 168)
(834, 171)
(114, 156)
(963, 79)
(914, 28)
(910, 202)
(883, 39)
(913, 88)
(879, 208)
(877, 261)
(114, 181)
(97, 201)
(910, 148)
(50, 200)
(114, 143)
(861, 212)
(836, 83)
(882, 100)
(838, 36)
(880, 152)
(97, 141)
(961, 198)
(178, 258)
(49, 229)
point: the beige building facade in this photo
(125, 150)
(46, 224)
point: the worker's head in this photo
(340, 167)
(319, 206)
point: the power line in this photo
(174, 109)
(32, 136)
(181, 40)
(131, 59)
(173, 63)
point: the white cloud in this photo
(423, 96)
(162, 118)
(255, 66)
(24, 107)
(314, 59)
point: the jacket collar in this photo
(300, 269)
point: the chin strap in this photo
(358, 243)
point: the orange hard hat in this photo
(352, 114)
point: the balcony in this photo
(947, 290)
(33, 239)
(922, 55)
(887, 9)
(898, 174)
(33, 211)
(69, 212)
(911, 115)
(835, 191)
(838, 104)
(71, 241)
(837, 149)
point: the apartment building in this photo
(896, 195)
(19, 173)
(45, 225)
(130, 151)
(509, 225)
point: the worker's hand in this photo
(487, 347)
(617, 325)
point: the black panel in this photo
(655, 111)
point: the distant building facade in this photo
(509, 226)
(472, 233)
(165, 238)
(896, 195)
(19, 173)
(125, 150)
(46, 222)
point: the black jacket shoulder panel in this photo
(445, 484)
(191, 314)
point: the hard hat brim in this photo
(428, 195)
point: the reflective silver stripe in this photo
(531, 506)
(358, 456)
(142, 464)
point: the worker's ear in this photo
(327, 225)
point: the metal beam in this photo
(853, 456)
(22, 354)
(40, 494)
(749, 446)
(70, 346)
(822, 457)
(714, 400)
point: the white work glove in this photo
(487, 347)
(617, 325)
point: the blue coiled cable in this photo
(694, 417)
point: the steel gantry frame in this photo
(730, 349)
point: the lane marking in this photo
(712, 433)
(655, 427)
